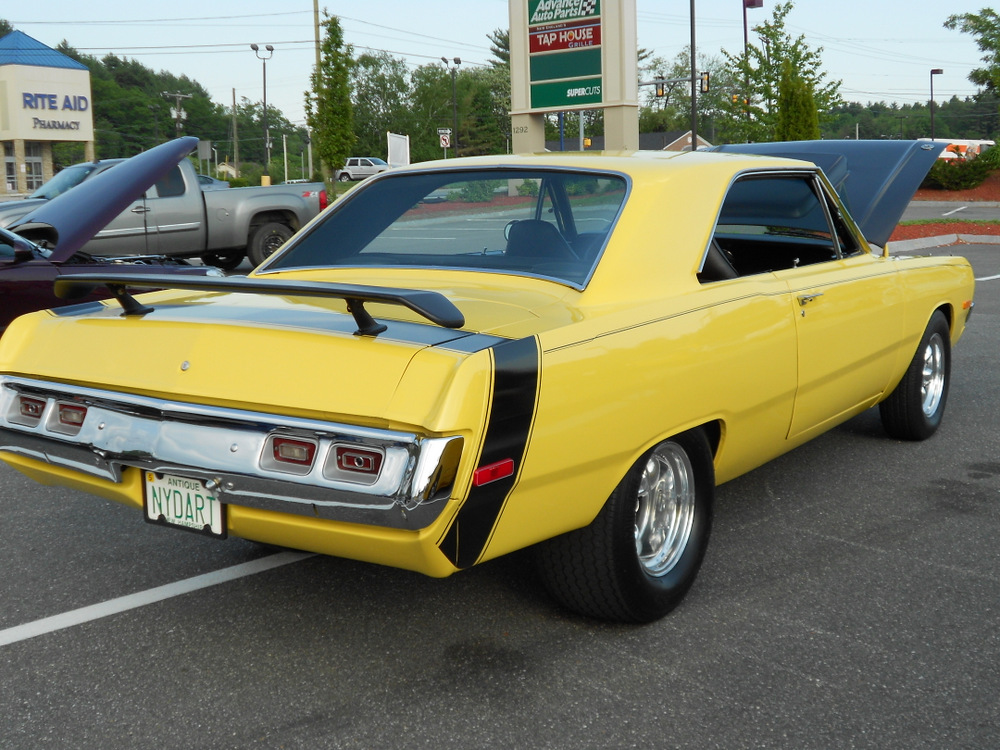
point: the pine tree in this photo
(328, 103)
(797, 117)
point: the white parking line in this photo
(954, 211)
(142, 598)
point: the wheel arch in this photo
(284, 216)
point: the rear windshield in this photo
(552, 224)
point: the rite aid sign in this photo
(564, 54)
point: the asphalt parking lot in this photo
(850, 598)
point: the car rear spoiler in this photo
(434, 306)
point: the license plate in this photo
(184, 503)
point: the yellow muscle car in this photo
(470, 357)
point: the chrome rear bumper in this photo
(226, 448)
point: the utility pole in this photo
(236, 139)
(177, 111)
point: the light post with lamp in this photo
(746, 53)
(934, 72)
(266, 178)
(454, 99)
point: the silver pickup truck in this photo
(176, 217)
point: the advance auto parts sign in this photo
(564, 53)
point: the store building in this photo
(44, 99)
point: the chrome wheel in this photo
(664, 509)
(933, 375)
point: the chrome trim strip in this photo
(224, 447)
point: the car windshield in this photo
(66, 179)
(549, 223)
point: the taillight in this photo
(359, 460)
(292, 451)
(323, 200)
(31, 408)
(67, 418)
(291, 455)
(354, 463)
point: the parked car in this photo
(177, 217)
(49, 241)
(572, 365)
(359, 167)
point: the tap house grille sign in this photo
(564, 54)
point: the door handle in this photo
(805, 299)
(140, 210)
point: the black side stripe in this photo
(515, 383)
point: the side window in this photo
(365, 163)
(170, 185)
(772, 222)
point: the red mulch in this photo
(988, 191)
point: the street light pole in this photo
(454, 99)
(746, 57)
(934, 72)
(266, 178)
(694, 87)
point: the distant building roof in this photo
(17, 48)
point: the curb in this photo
(922, 243)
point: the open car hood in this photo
(875, 179)
(69, 221)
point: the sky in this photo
(881, 50)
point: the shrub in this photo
(528, 188)
(477, 191)
(957, 174)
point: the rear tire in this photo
(638, 558)
(266, 239)
(344, 177)
(914, 409)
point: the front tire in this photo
(266, 240)
(914, 409)
(638, 558)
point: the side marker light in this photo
(493, 472)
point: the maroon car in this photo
(45, 244)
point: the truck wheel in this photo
(638, 558)
(265, 240)
(227, 261)
(344, 177)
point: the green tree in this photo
(985, 27)
(797, 119)
(5, 27)
(500, 48)
(757, 75)
(328, 102)
(485, 127)
(380, 96)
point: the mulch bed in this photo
(989, 191)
